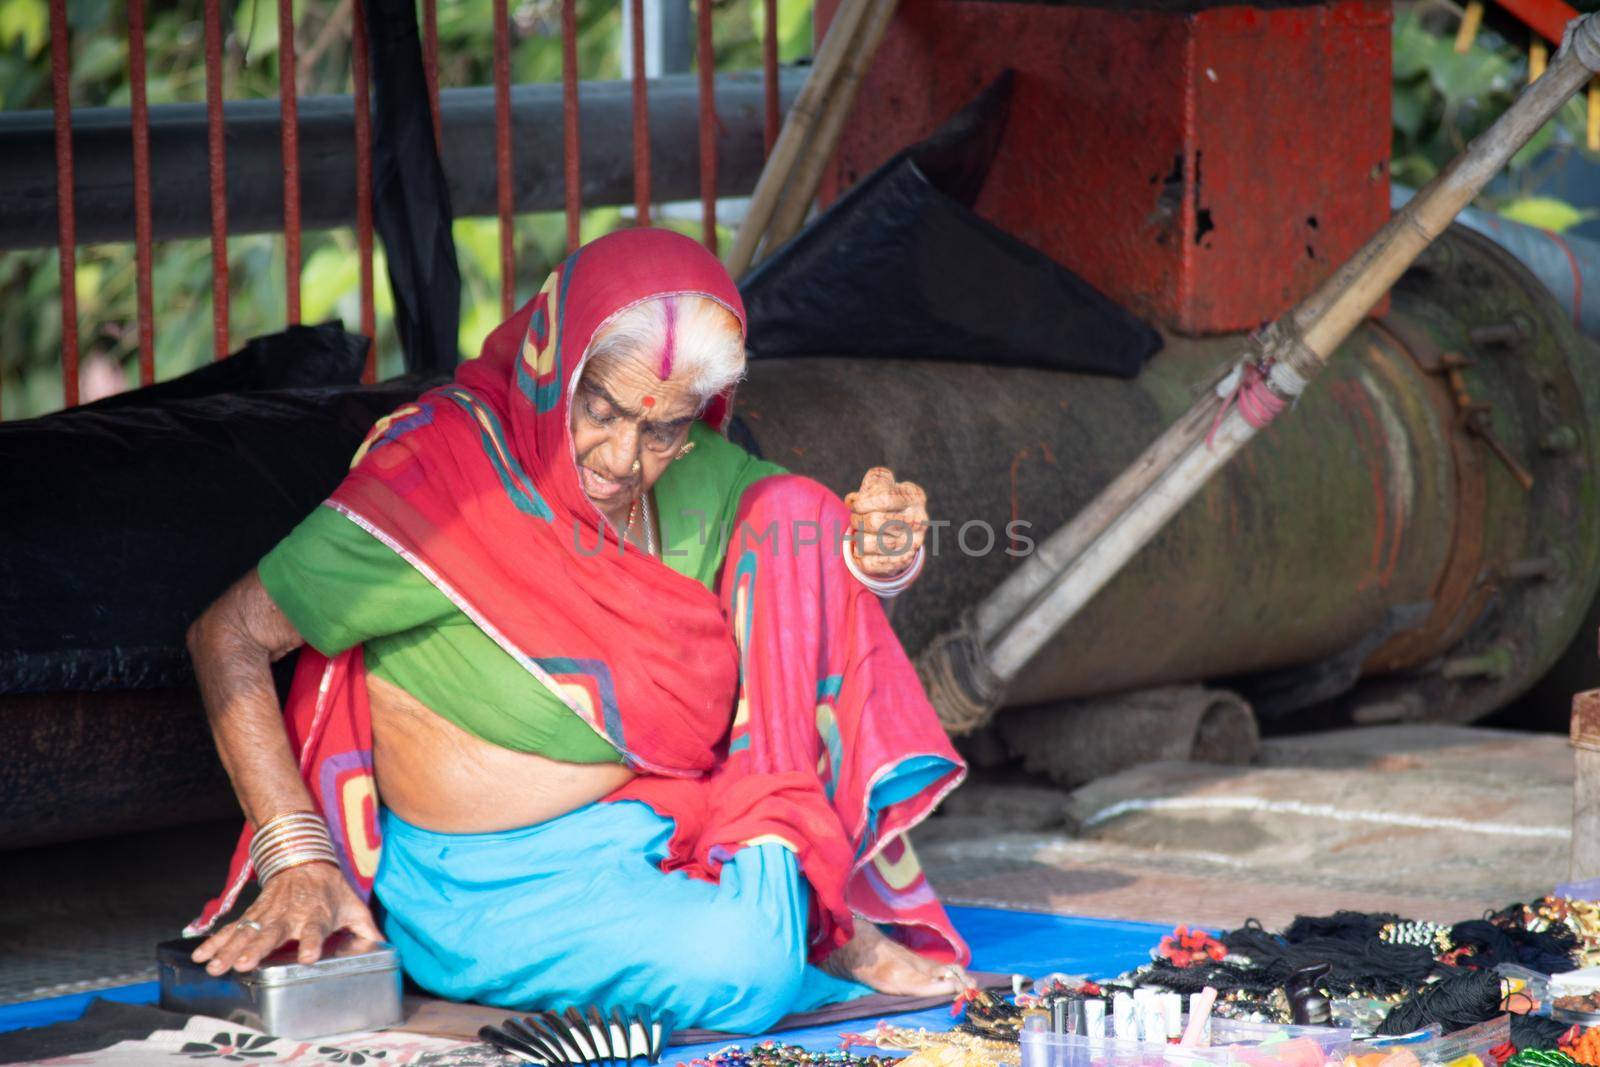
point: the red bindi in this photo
(649, 402)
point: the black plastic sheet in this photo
(902, 267)
(122, 520)
(411, 200)
(300, 357)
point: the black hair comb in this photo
(581, 1037)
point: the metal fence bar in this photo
(66, 222)
(217, 167)
(359, 76)
(571, 149)
(708, 125)
(141, 192)
(641, 119)
(139, 131)
(289, 103)
(430, 63)
(502, 153)
(769, 67)
(180, 207)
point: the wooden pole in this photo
(1020, 616)
(797, 125)
(802, 188)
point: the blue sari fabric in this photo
(577, 911)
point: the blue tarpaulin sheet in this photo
(1017, 941)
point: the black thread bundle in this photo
(1455, 997)
(1360, 964)
(1546, 951)
(1456, 1001)
(1346, 941)
(1223, 977)
(1536, 1031)
(1344, 925)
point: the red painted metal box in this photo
(1205, 165)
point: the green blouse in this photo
(340, 587)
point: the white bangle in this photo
(887, 587)
(290, 839)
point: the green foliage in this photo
(1546, 212)
(30, 315)
(25, 23)
(1442, 100)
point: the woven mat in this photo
(445, 1018)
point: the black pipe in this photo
(103, 148)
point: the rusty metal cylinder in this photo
(1384, 518)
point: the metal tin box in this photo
(346, 990)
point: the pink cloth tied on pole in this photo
(1257, 402)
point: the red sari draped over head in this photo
(476, 485)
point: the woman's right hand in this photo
(307, 904)
(234, 645)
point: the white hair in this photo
(690, 338)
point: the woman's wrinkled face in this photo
(623, 413)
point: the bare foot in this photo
(889, 967)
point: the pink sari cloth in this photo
(834, 750)
(768, 710)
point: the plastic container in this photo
(1334, 1040)
(1320, 1046)
(1586, 1019)
(1375, 1051)
(1464, 1048)
(1382, 1042)
(1526, 981)
(1575, 983)
(1474, 1041)
(1363, 1015)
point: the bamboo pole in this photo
(1593, 130)
(1467, 32)
(969, 668)
(807, 108)
(802, 188)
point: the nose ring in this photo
(635, 468)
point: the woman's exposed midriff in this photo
(435, 775)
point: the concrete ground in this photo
(1433, 822)
(88, 914)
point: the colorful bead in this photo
(1432, 936)
(777, 1054)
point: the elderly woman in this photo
(593, 703)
